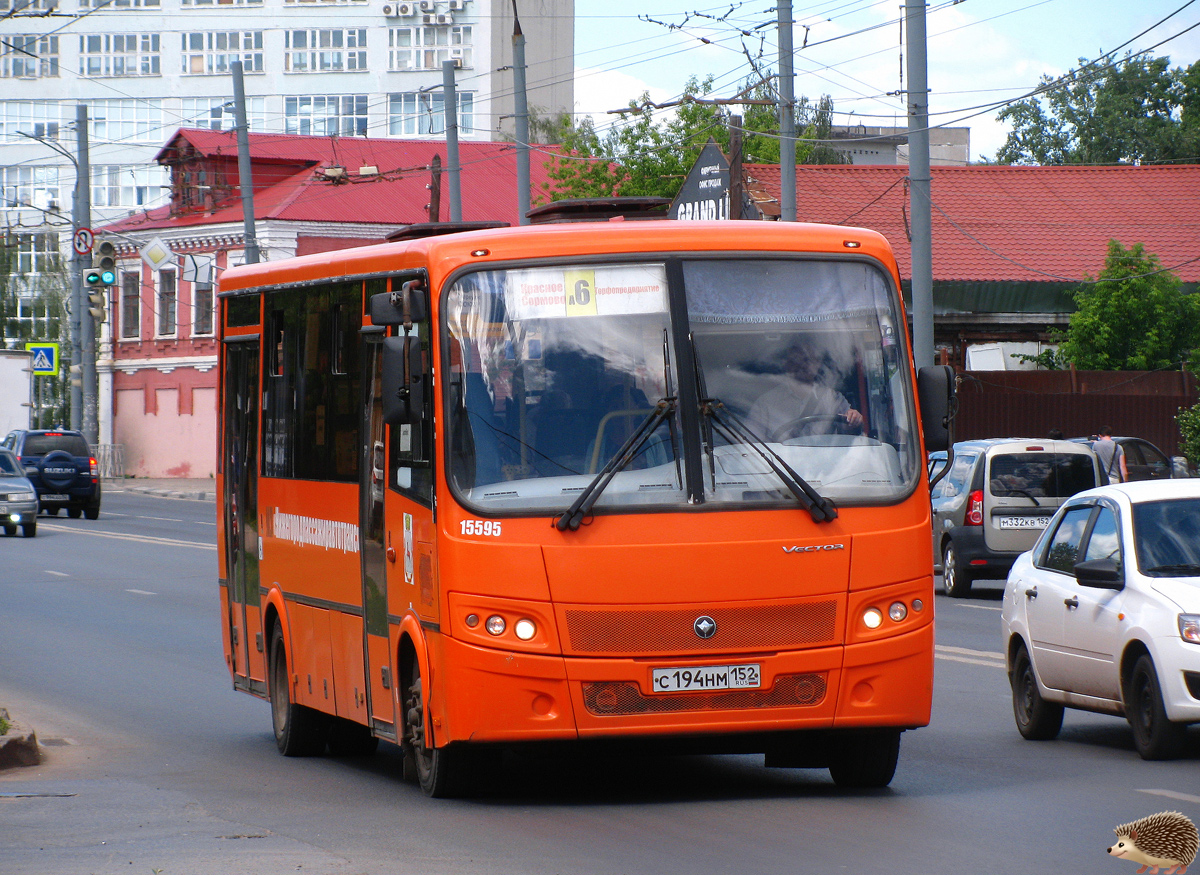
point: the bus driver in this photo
(802, 404)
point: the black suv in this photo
(62, 469)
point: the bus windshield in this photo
(553, 369)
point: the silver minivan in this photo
(996, 498)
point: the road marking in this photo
(57, 573)
(980, 607)
(140, 592)
(989, 658)
(1172, 794)
(143, 539)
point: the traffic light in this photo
(100, 277)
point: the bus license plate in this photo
(706, 677)
(1024, 522)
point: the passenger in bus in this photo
(802, 403)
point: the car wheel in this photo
(92, 511)
(956, 581)
(74, 512)
(1154, 736)
(1037, 719)
(866, 759)
(28, 530)
(299, 731)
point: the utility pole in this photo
(735, 167)
(450, 110)
(87, 324)
(81, 217)
(787, 116)
(245, 178)
(919, 184)
(522, 119)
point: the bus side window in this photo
(411, 445)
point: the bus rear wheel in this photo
(299, 731)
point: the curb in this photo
(19, 745)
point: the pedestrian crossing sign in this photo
(45, 357)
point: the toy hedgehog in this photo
(1167, 840)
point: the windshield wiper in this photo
(573, 517)
(822, 509)
(1182, 569)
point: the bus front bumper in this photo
(504, 696)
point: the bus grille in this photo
(670, 630)
(608, 699)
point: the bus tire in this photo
(299, 731)
(866, 758)
(442, 772)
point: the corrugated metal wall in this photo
(1030, 403)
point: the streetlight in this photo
(83, 332)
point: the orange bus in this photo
(647, 482)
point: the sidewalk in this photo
(202, 489)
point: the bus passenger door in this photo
(241, 506)
(372, 546)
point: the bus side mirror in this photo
(935, 391)
(403, 307)
(403, 380)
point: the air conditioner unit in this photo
(428, 6)
(406, 9)
(445, 18)
(457, 5)
(428, 19)
(398, 10)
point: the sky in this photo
(980, 52)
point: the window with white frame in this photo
(39, 186)
(325, 50)
(119, 54)
(417, 113)
(130, 185)
(216, 113)
(139, 121)
(131, 306)
(222, 2)
(29, 57)
(425, 48)
(168, 297)
(326, 115)
(39, 118)
(210, 53)
(27, 7)
(326, 2)
(38, 253)
(118, 4)
(202, 309)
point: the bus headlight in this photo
(897, 611)
(872, 618)
(495, 625)
(524, 629)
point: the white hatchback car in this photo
(1103, 614)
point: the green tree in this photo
(1134, 317)
(1134, 111)
(642, 156)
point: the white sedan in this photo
(1103, 614)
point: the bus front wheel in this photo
(866, 758)
(299, 731)
(442, 772)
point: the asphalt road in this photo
(110, 646)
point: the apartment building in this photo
(146, 68)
